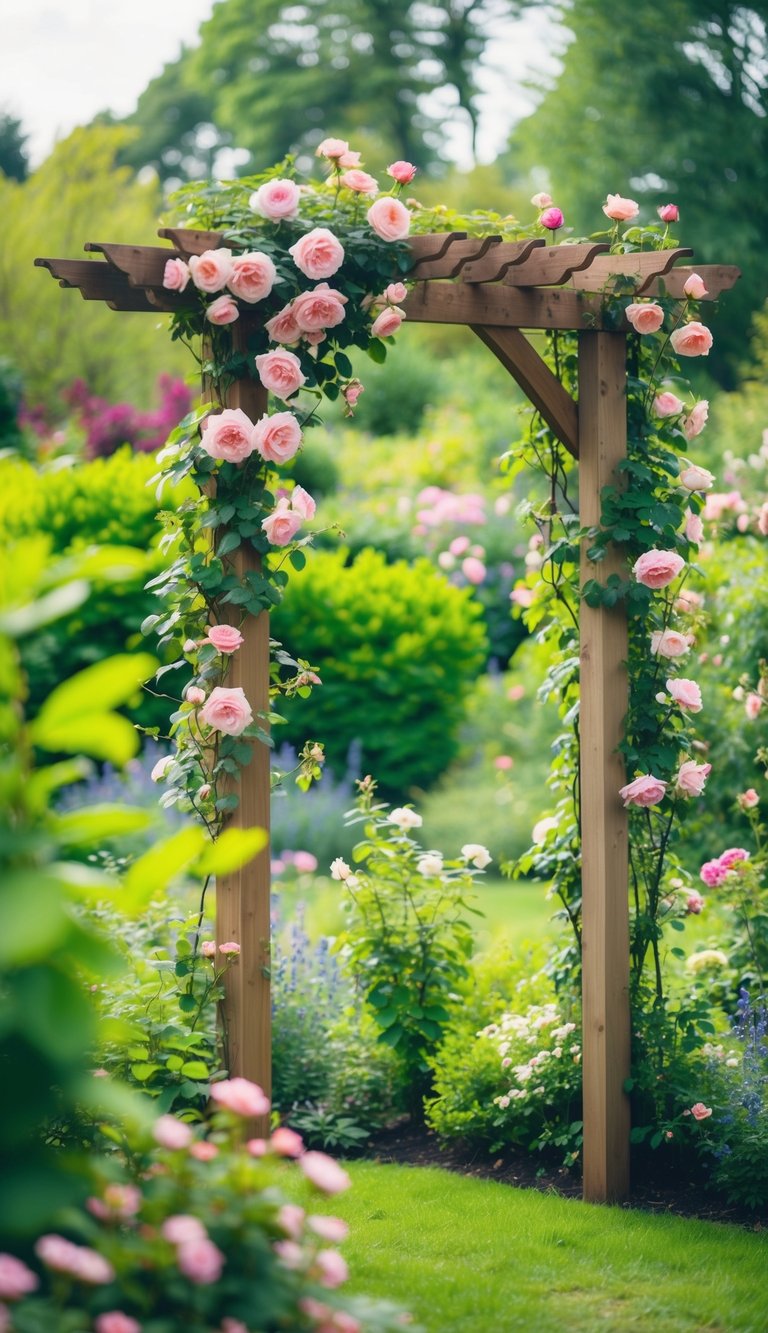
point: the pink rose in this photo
(691, 777)
(85, 1264)
(181, 1228)
(204, 1151)
(321, 308)
(282, 327)
(276, 199)
(291, 1219)
(328, 1228)
(228, 435)
(115, 1321)
(552, 219)
(256, 1147)
(230, 949)
(204, 791)
(359, 182)
(175, 275)
(222, 311)
(241, 1096)
(208, 947)
(227, 710)
(749, 799)
(119, 1201)
(694, 528)
(692, 339)
(686, 693)
(667, 405)
(402, 172)
(694, 902)
(303, 503)
(619, 209)
(201, 1261)
(752, 705)
(349, 159)
(389, 219)
(645, 317)
(713, 874)
(253, 276)
(762, 520)
(318, 254)
(655, 569)
(395, 293)
(473, 569)
(332, 148)
(696, 478)
(669, 643)
(669, 213)
(732, 856)
(333, 1268)
(700, 1112)
(351, 392)
(290, 1254)
(643, 791)
(194, 695)
(286, 1142)
(542, 200)
(694, 287)
(324, 1173)
(280, 373)
(211, 270)
(16, 1280)
(278, 437)
(282, 525)
(225, 638)
(696, 420)
(233, 1326)
(170, 1132)
(387, 323)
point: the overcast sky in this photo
(62, 61)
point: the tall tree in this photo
(667, 101)
(13, 156)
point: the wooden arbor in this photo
(498, 289)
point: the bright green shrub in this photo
(397, 648)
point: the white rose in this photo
(430, 864)
(405, 819)
(477, 854)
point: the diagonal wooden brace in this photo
(536, 380)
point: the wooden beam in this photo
(641, 267)
(717, 278)
(143, 265)
(536, 380)
(554, 265)
(191, 242)
(604, 824)
(481, 303)
(457, 255)
(501, 258)
(433, 245)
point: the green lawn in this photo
(477, 1256)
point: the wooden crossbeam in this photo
(143, 265)
(500, 259)
(458, 254)
(191, 242)
(641, 267)
(717, 278)
(554, 265)
(100, 282)
(517, 307)
(536, 380)
(434, 245)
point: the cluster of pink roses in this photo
(647, 790)
(550, 216)
(714, 873)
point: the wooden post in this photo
(604, 701)
(242, 898)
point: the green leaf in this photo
(142, 1071)
(229, 542)
(156, 868)
(33, 920)
(377, 351)
(187, 1003)
(174, 1063)
(234, 848)
(61, 602)
(75, 717)
(97, 823)
(197, 1070)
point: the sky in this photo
(62, 61)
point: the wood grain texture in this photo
(717, 278)
(606, 271)
(554, 265)
(191, 242)
(604, 701)
(457, 255)
(499, 261)
(536, 380)
(481, 303)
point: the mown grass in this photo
(464, 1254)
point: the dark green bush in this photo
(397, 648)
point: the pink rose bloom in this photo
(201, 1261)
(395, 293)
(318, 254)
(204, 791)
(700, 1112)
(389, 219)
(655, 569)
(231, 949)
(332, 148)
(349, 159)
(387, 323)
(333, 1268)
(691, 777)
(171, 1133)
(351, 392)
(402, 172)
(749, 799)
(282, 327)
(182, 1228)
(227, 710)
(286, 1142)
(692, 339)
(282, 525)
(752, 705)
(290, 1254)
(694, 528)
(277, 437)
(328, 1228)
(175, 275)
(552, 219)
(16, 1280)
(256, 1147)
(222, 311)
(732, 856)
(643, 791)
(304, 862)
(473, 569)
(233, 1326)
(359, 181)
(324, 1173)
(211, 270)
(696, 420)
(645, 316)
(276, 199)
(320, 309)
(542, 200)
(686, 693)
(204, 1151)
(694, 902)
(670, 643)
(253, 276)
(696, 478)
(208, 949)
(194, 695)
(762, 520)
(667, 405)
(291, 1218)
(280, 372)
(503, 762)
(79, 1261)
(620, 209)
(241, 1096)
(303, 503)
(225, 638)
(722, 502)
(713, 874)
(119, 1201)
(694, 287)
(669, 213)
(228, 435)
(115, 1321)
